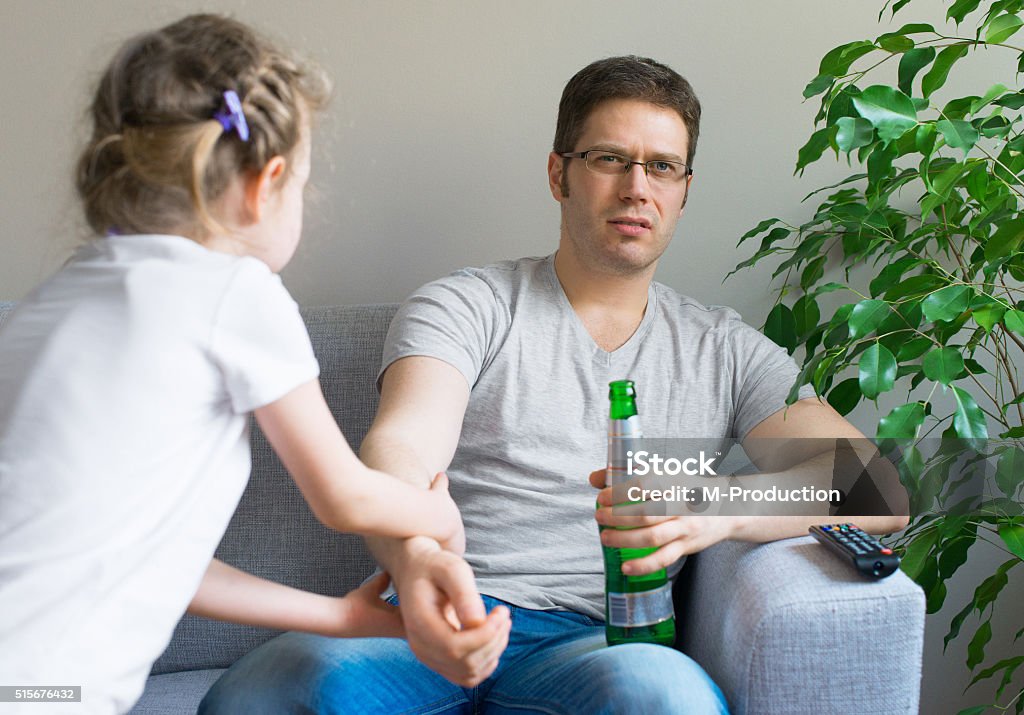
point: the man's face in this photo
(621, 224)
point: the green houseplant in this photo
(924, 243)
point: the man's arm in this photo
(816, 422)
(676, 536)
(414, 436)
(340, 490)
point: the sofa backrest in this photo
(273, 533)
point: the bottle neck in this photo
(623, 408)
(622, 394)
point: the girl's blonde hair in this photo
(158, 157)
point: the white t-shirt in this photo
(125, 386)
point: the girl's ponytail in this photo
(161, 152)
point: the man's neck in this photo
(610, 306)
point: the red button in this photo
(886, 551)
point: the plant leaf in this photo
(845, 396)
(958, 134)
(781, 327)
(814, 148)
(989, 589)
(1006, 240)
(936, 76)
(902, 423)
(806, 315)
(1015, 401)
(988, 316)
(924, 142)
(1014, 320)
(838, 60)
(943, 365)
(976, 648)
(889, 110)
(916, 555)
(977, 183)
(969, 420)
(913, 287)
(912, 28)
(1013, 537)
(961, 8)
(866, 316)
(853, 133)
(1014, 100)
(880, 163)
(828, 288)
(993, 92)
(895, 43)
(759, 228)
(818, 85)
(976, 710)
(877, 371)
(955, 624)
(914, 348)
(896, 7)
(1008, 665)
(813, 272)
(1010, 471)
(912, 62)
(1002, 28)
(947, 303)
(954, 555)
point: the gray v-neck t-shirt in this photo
(536, 423)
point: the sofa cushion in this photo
(175, 693)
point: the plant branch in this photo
(999, 545)
(1008, 368)
(995, 160)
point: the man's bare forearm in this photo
(770, 520)
(393, 456)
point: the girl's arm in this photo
(344, 493)
(227, 594)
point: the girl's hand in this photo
(362, 614)
(456, 540)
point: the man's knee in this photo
(295, 672)
(259, 681)
(298, 672)
(655, 679)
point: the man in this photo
(499, 375)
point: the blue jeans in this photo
(555, 662)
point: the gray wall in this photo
(471, 89)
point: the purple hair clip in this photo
(231, 116)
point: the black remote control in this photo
(858, 548)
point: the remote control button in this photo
(886, 551)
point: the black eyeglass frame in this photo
(629, 162)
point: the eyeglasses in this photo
(608, 162)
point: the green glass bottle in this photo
(638, 609)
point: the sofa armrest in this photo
(786, 627)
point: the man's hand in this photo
(445, 622)
(672, 536)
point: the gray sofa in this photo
(782, 627)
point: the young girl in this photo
(126, 379)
